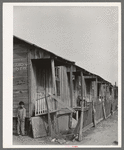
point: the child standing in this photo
(21, 114)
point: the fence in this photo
(99, 111)
(110, 106)
(88, 115)
(115, 105)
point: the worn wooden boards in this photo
(39, 127)
(20, 77)
(107, 105)
(20, 83)
(88, 115)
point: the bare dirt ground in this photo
(105, 133)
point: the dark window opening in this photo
(110, 91)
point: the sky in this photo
(86, 35)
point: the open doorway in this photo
(41, 86)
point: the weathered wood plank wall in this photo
(20, 78)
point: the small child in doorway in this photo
(21, 114)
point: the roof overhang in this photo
(44, 62)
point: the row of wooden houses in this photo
(37, 73)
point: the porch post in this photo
(71, 96)
(96, 88)
(105, 91)
(94, 99)
(29, 82)
(82, 108)
(71, 86)
(53, 77)
(54, 93)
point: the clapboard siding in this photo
(18, 48)
(19, 68)
(18, 99)
(20, 83)
(20, 93)
(20, 55)
(20, 77)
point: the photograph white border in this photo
(8, 72)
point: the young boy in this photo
(21, 114)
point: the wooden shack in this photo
(38, 72)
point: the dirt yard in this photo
(105, 133)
